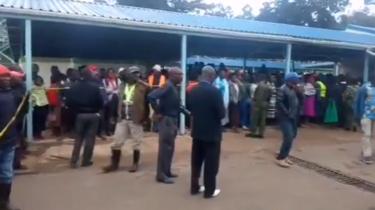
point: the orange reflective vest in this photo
(151, 78)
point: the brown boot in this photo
(115, 161)
(136, 157)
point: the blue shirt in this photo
(364, 102)
(369, 111)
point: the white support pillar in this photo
(366, 68)
(183, 84)
(337, 69)
(244, 63)
(29, 74)
(288, 58)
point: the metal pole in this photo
(29, 80)
(366, 68)
(288, 59)
(337, 69)
(183, 85)
(244, 63)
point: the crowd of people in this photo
(250, 98)
(90, 102)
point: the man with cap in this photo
(287, 114)
(166, 103)
(8, 137)
(156, 79)
(133, 113)
(207, 109)
(86, 100)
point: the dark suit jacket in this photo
(207, 109)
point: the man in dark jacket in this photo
(287, 113)
(166, 103)
(8, 137)
(85, 99)
(207, 109)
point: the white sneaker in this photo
(201, 189)
(216, 193)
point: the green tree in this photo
(313, 13)
(247, 13)
(186, 6)
(363, 18)
(219, 10)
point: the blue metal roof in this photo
(180, 23)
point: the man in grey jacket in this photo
(287, 113)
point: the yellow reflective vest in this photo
(323, 89)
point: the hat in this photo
(292, 77)
(121, 69)
(4, 71)
(133, 69)
(93, 69)
(17, 74)
(157, 67)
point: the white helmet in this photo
(157, 67)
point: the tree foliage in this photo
(186, 6)
(313, 13)
(247, 13)
(363, 18)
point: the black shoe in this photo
(171, 175)
(87, 164)
(165, 181)
(251, 135)
(74, 165)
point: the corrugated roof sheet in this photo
(124, 16)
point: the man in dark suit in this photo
(207, 109)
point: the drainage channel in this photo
(335, 174)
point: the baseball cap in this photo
(4, 71)
(292, 77)
(157, 67)
(133, 69)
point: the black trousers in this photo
(209, 154)
(86, 127)
(40, 114)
